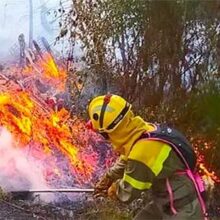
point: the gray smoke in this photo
(17, 172)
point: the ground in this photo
(89, 210)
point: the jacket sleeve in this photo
(117, 170)
(144, 164)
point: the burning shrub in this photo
(55, 141)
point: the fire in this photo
(14, 116)
(26, 121)
(50, 69)
(42, 129)
(46, 69)
(212, 174)
(201, 149)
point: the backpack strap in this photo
(176, 140)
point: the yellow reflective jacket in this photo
(146, 169)
(145, 164)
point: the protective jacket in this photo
(152, 166)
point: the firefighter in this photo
(154, 159)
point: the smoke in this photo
(15, 14)
(17, 172)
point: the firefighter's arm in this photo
(114, 173)
(137, 178)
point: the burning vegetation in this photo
(42, 135)
(42, 127)
(45, 145)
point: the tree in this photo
(146, 49)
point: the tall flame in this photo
(47, 69)
(28, 123)
(35, 125)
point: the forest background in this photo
(162, 56)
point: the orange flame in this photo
(32, 122)
(50, 69)
(201, 149)
(28, 122)
(47, 70)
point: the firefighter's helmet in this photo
(106, 112)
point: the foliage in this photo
(198, 117)
(157, 48)
(163, 56)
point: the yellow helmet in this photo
(106, 112)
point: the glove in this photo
(112, 191)
(101, 187)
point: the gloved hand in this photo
(112, 191)
(101, 187)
